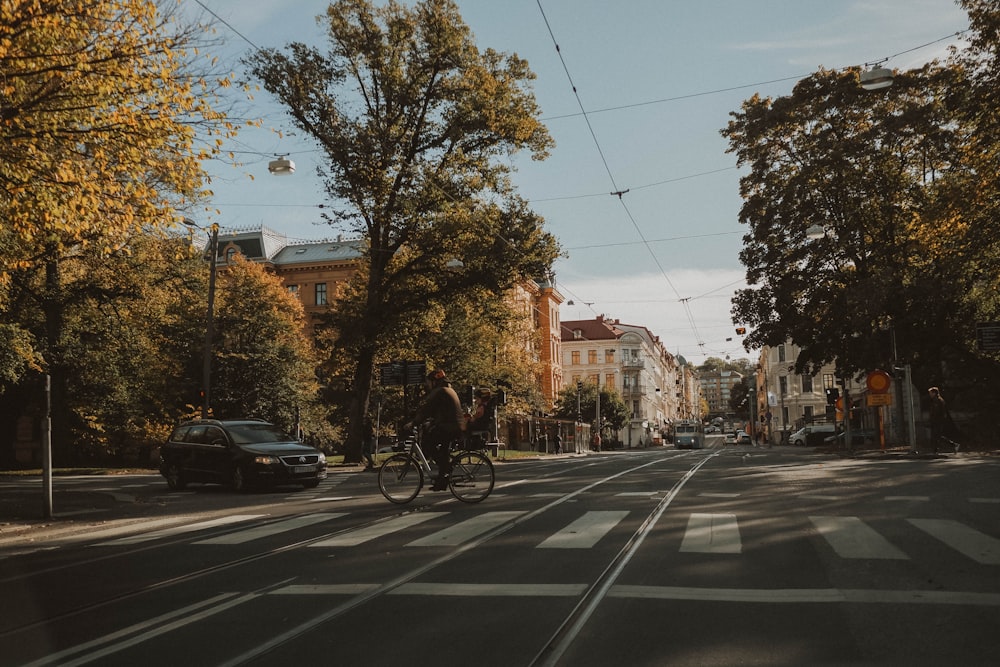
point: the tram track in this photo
(554, 647)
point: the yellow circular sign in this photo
(879, 382)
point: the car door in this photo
(215, 455)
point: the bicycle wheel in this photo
(471, 477)
(400, 478)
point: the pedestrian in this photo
(558, 443)
(367, 445)
(941, 424)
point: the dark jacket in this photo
(444, 410)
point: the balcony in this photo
(632, 362)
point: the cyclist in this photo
(442, 410)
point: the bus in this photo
(689, 434)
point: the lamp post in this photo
(206, 367)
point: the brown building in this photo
(315, 270)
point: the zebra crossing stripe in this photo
(712, 534)
(979, 547)
(177, 530)
(272, 528)
(851, 537)
(585, 532)
(355, 537)
(465, 530)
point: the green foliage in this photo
(881, 173)
(614, 413)
(416, 124)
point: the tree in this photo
(100, 110)
(415, 122)
(614, 414)
(862, 166)
(264, 363)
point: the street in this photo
(721, 556)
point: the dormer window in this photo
(578, 334)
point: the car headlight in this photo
(266, 460)
(322, 458)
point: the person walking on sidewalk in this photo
(941, 425)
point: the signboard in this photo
(402, 373)
(988, 336)
(879, 399)
(879, 382)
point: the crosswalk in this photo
(720, 534)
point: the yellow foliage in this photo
(98, 119)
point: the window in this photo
(609, 356)
(320, 294)
(294, 290)
(578, 334)
(807, 412)
(807, 384)
(783, 386)
(591, 356)
(781, 353)
(609, 380)
(575, 357)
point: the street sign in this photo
(879, 399)
(988, 336)
(402, 373)
(879, 382)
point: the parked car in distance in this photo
(811, 435)
(243, 453)
(743, 438)
(730, 438)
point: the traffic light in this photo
(832, 394)
(579, 385)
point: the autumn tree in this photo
(105, 115)
(417, 126)
(264, 364)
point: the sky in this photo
(635, 97)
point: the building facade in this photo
(631, 360)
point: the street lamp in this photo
(281, 166)
(206, 368)
(876, 78)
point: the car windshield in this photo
(243, 434)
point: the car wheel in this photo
(239, 480)
(175, 480)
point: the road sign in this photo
(879, 382)
(988, 336)
(879, 399)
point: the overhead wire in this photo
(616, 191)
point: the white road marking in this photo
(177, 530)
(851, 537)
(355, 537)
(585, 532)
(712, 534)
(465, 530)
(271, 529)
(978, 546)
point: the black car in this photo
(244, 453)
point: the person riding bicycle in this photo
(442, 410)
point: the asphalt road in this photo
(722, 556)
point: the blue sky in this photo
(657, 80)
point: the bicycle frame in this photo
(401, 476)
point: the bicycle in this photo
(401, 476)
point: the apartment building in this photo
(628, 358)
(315, 271)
